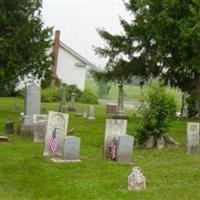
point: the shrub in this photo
(53, 94)
(157, 110)
(87, 97)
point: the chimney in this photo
(55, 55)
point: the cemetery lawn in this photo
(131, 92)
(25, 174)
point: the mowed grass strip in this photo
(25, 174)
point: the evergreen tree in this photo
(162, 39)
(24, 43)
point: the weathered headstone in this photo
(26, 130)
(63, 106)
(39, 127)
(111, 109)
(120, 104)
(91, 113)
(72, 107)
(9, 127)
(71, 148)
(57, 128)
(28, 119)
(32, 99)
(136, 180)
(192, 138)
(125, 148)
(85, 113)
(114, 129)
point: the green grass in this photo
(25, 174)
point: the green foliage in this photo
(72, 89)
(192, 104)
(157, 110)
(53, 94)
(87, 97)
(161, 39)
(103, 88)
(24, 43)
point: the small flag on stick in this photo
(53, 142)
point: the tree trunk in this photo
(197, 84)
(182, 103)
(160, 142)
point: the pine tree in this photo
(162, 39)
(24, 43)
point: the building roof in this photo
(75, 54)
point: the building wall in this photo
(68, 71)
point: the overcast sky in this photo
(78, 19)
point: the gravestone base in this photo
(26, 130)
(120, 115)
(3, 139)
(59, 160)
(78, 114)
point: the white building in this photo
(69, 66)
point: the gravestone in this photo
(85, 113)
(71, 148)
(192, 138)
(111, 109)
(91, 113)
(72, 107)
(26, 130)
(17, 108)
(39, 127)
(39, 118)
(28, 120)
(32, 99)
(9, 127)
(3, 139)
(114, 129)
(56, 127)
(63, 106)
(125, 148)
(120, 104)
(136, 180)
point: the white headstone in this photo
(136, 180)
(114, 129)
(71, 148)
(57, 122)
(192, 138)
(91, 113)
(125, 148)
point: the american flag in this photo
(53, 142)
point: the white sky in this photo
(78, 19)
